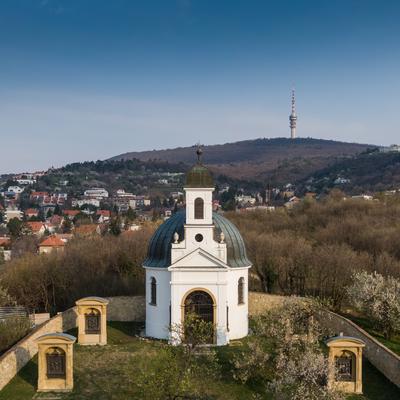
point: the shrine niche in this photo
(55, 362)
(92, 320)
(345, 359)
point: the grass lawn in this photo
(366, 324)
(111, 372)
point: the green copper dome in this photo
(159, 252)
(199, 177)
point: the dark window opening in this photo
(199, 208)
(92, 322)
(199, 237)
(153, 290)
(344, 367)
(241, 291)
(55, 361)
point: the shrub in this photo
(379, 298)
(11, 330)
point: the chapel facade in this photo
(197, 263)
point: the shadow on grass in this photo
(375, 385)
(132, 328)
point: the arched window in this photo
(55, 363)
(345, 366)
(92, 321)
(241, 291)
(153, 291)
(199, 208)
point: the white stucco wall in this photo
(157, 316)
(238, 313)
(213, 281)
(192, 194)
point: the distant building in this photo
(26, 181)
(341, 181)
(11, 213)
(31, 212)
(97, 193)
(393, 148)
(95, 202)
(363, 197)
(71, 214)
(36, 227)
(15, 189)
(52, 243)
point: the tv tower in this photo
(293, 117)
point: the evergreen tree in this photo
(115, 226)
(15, 227)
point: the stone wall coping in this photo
(92, 300)
(32, 333)
(365, 333)
(59, 337)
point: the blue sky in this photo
(89, 79)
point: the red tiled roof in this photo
(86, 229)
(56, 219)
(32, 211)
(104, 213)
(71, 213)
(4, 241)
(39, 194)
(35, 226)
(52, 241)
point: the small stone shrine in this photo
(55, 358)
(92, 320)
(345, 357)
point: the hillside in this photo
(368, 171)
(259, 159)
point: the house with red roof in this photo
(103, 216)
(88, 230)
(71, 214)
(52, 243)
(31, 212)
(38, 228)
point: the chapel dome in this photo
(159, 251)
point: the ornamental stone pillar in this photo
(92, 320)
(55, 359)
(345, 360)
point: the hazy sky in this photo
(89, 79)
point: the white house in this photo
(15, 189)
(197, 263)
(98, 193)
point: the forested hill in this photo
(255, 158)
(368, 171)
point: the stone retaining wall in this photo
(379, 355)
(19, 355)
(121, 308)
(126, 308)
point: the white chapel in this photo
(197, 262)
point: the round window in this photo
(199, 237)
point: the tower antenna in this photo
(293, 116)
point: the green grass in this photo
(111, 372)
(366, 324)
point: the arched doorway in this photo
(201, 303)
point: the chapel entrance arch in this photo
(201, 303)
